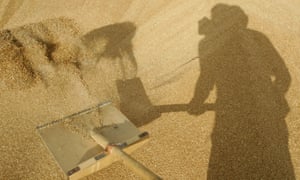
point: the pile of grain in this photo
(34, 52)
(15, 70)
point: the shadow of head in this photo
(111, 41)
(223, 18)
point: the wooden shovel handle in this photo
(136, 166)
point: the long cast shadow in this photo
(250, 135)
(114, 42)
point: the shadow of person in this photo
(250, 136)
(112, 47)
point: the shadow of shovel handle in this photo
(181, 107)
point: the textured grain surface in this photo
(166, 36)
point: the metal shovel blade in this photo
(78, 156)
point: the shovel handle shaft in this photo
(136, 166)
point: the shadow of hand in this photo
(196, 108)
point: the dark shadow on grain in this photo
(114, 42)
(135, 103)
(250, 135)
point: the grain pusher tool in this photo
(92, 139)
